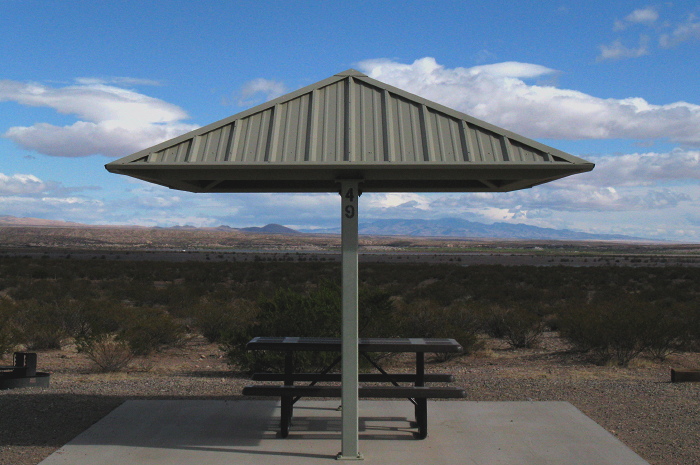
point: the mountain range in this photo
(444, 227)
(271, 229)
(456, 227)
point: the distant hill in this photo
(455, 227)
(7, 220)
(445, 227)
(271, 229)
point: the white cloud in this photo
(646, 16)
(113, 121)
(591, 198)
(260, 88)
(689, 30)
(630, 182)
(394, 200)
(639, 186)
(71, 202)
(121, 81)
(160, 201)
(21, 184)
(643, 16)
(82, 138)
(512, 69)
(643, 169)
(538, 111)
(78, 209)
(680, 32)
(617, 50)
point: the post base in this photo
(340, 456)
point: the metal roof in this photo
(349, 126)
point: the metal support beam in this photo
(349, 192)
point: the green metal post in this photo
(349, 192)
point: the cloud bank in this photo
(500, 95)
(648, 19)
(20, 184)
(112, 121)
(686, 31)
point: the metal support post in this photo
(349, 191)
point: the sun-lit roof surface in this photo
(349, 126)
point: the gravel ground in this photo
(657, 419)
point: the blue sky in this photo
(82, 83)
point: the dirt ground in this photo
(658, 419)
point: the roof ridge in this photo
(351, 72)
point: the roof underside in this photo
(349, 126)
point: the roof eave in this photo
(373, 178)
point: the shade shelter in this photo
(350, 134)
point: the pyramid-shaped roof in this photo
(350, 126)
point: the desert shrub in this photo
(670, 329)
(95, 318)
(107, 353)
(427, 318)
(144, 329)
(523, 328)
(673, 327)
(493, 320)
(8, 331)
(442, 290)
(214, 319)
(376, 317)
(315, 313)
(691, 313)
(148, 329)
(619, 328)
(520, 327)
(41, 325)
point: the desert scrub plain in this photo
(603, 338)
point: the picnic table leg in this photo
(421, 405)
(286, 415)
(287, 402)
(422, 418)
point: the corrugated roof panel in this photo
(525, 154)
(488, 146)
(215, 145)
(369, 133)
(407, 131)
(294, 130)
(254, 133)
(331, 136)
(311, 127)
(448, 140)
(350, 125)
(175, 154)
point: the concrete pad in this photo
(174, 432)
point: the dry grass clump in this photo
(108, 353)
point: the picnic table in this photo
(383, 384)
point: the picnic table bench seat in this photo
(417, 394)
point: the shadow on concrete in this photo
(51, 419)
